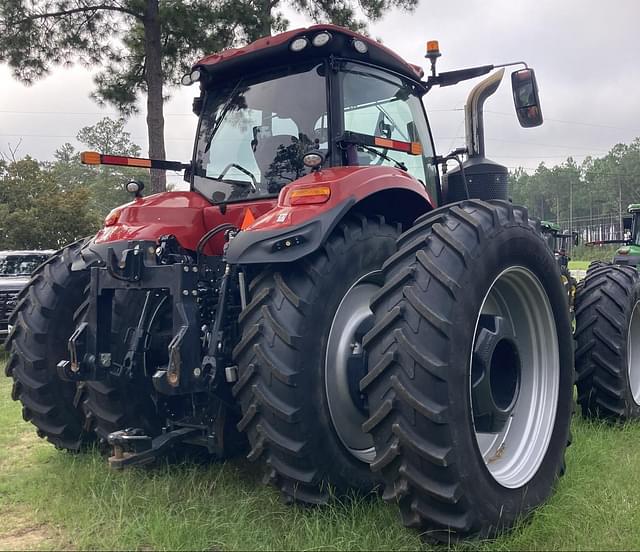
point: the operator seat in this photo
(265, 151)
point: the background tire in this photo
(282, 385)
(570, 285)
(608, 342)
(42, 323)
(450, 479)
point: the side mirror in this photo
(525, 98)
(627, 223)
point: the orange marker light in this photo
(416, 148)
(90, 158)
(113, 217)
(309, 196)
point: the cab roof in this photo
(275, 50)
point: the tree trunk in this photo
(154, 80)
(266, 6)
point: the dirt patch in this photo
(20, 532)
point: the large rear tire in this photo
(300, 360)
(470, 371)
(608, 342)
(42, 323)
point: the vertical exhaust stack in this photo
(485, 179)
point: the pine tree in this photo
(145, 46)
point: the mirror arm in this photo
(512, 64)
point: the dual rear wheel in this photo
(470, 371)
(300, 361)
(464, 398)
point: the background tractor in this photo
(608, 330)
(320, 296)
(560, 243)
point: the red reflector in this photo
(126, 161)
(413, 148)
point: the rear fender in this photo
(288, 233)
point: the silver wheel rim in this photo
(347, 419)
(514, 455)
(633, 354)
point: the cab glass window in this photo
(253, 134)
(383, 105)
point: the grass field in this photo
(51, 499)
(579, 265)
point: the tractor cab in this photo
(629, 253)
(315, 98)
(559, 242)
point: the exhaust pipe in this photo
(473, 112)
(481, 177)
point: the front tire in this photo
(300, 360)
(608, 342)
(470, 371)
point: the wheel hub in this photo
(495, 374)
(346, 365)
(357, 365)
(514, 376)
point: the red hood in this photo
(186, 215)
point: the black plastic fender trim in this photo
(267, 246)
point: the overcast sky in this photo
(585, 53)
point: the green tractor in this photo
(629, 253)
(558, 242)
(608, 330)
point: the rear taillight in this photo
(309, 196)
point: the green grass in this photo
(85, 505)
(579, 265)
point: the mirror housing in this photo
(525, 98)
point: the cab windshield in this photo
(253, 134)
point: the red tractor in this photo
(321, 297)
